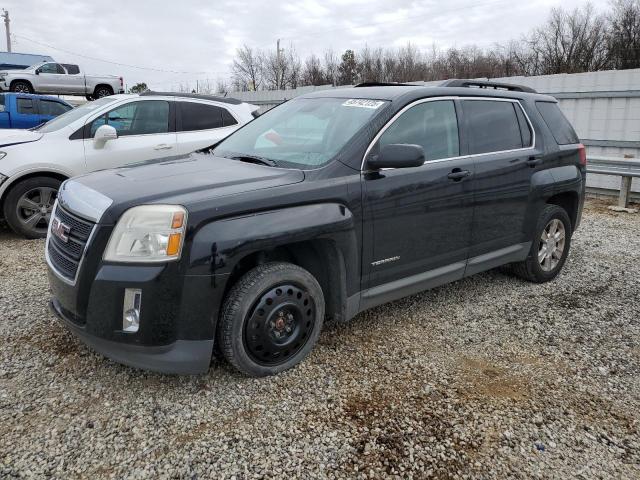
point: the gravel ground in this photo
(488, 377)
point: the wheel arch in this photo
(12, 182)
(21, 80)
(569, 201)
(106, 85)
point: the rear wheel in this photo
(271, 319)
(102, 91)
(549, 248)
(28, 206)
(20, 86)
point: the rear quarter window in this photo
(558, 124)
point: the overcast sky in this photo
(198, 38)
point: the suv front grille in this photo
(65, 257)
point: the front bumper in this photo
(178, 312)
(181, 356)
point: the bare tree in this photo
(247, 68)
(331, 67)
(312, 72)
(624, 34)
(570, 42)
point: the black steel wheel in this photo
(271, 319)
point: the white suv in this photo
(110, 132)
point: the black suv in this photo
(325, 206)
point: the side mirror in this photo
(399, 155)
(37, 72)
(104, 133)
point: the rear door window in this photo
(493, 126)
(560, 127)
(202, 116)
(52, 108)
(25, 106)
(432, 125)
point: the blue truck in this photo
(23, 110)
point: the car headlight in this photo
(148, 233)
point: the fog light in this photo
(131, 310)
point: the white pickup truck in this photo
(61, 79)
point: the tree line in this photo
(580, 40)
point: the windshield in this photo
(303, 133)
(72, 115)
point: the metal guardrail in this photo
(626, 168)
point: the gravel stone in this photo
(489, 377)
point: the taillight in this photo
(582, 152)
(121, 82)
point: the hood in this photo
(15, 137)
(184, 180)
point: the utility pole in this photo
(278, 63)
(5, 15)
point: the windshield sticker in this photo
(363, 103)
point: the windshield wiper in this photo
(255, 159)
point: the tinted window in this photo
(493, 126)
(50, 107)
(200, 116)
(2, 97)
(51, 68)
(136, 118)
(71, 69)
(25, 106)
(433, 125)
(227, 118)
(560, 127)
(525, 128)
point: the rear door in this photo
(501, 141)
(146, 131)
(200, 125)
(418, 220)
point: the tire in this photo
(28, 206)
(555, 220)
(254, 336)
(102, 91)
(20, 86)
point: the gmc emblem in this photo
(60, 230)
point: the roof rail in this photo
(232, 101)
(384, 84)
(487, 84)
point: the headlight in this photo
(148, 233)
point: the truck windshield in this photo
(72, 115)
(303, 133)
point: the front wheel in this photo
(271, 319)
(550, 246)
(28, 206)
(21, 87)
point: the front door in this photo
(51, 78)
(418, 220)
(145, 132)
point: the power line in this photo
(109, 61)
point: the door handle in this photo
(534, 161)
(163, 146)
(458, 174)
